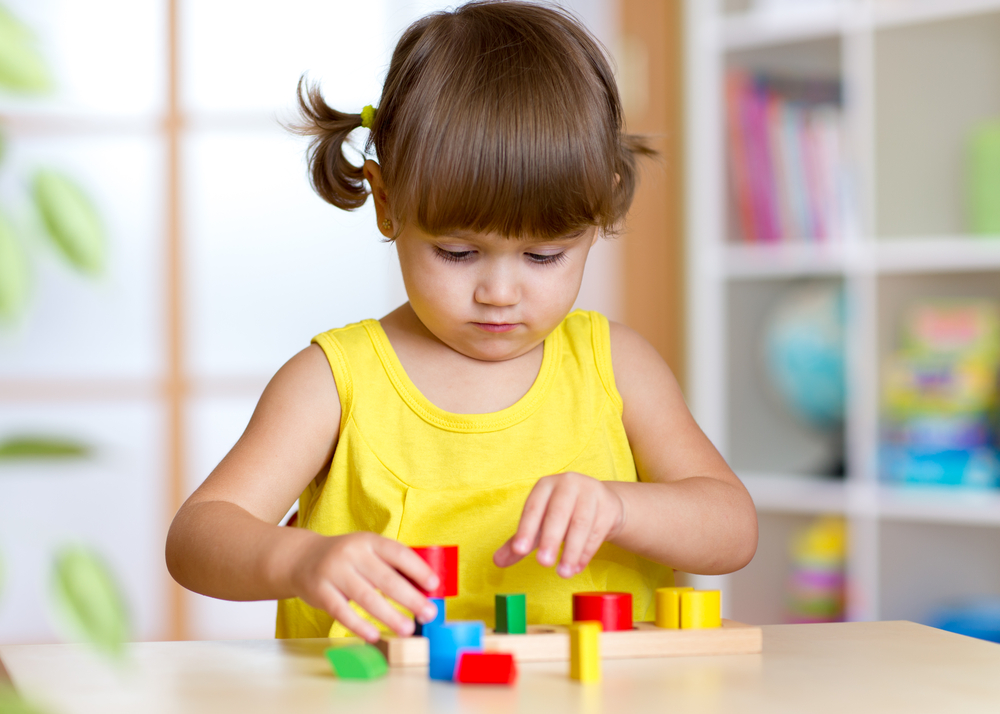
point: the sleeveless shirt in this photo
(408, 470)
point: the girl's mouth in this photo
(495, 326)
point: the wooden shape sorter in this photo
(550, 643)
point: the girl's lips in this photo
(496, 327)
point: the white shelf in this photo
(784, 260)
(937, 254)
(792, 493)
(889, 13)
(940, 504)
(943, 254)
(810, 495)
(753, 30)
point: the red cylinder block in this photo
(612, 610)
(443, 560)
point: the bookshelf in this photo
(916, 76)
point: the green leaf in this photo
(15, 276)
(89, 600)
(12, 703)
(42, 447)
(71, 220)
(22, 68)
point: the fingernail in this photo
(545, 557)
(428, 614)
(433, 583)
(565, 571)
(521, 546)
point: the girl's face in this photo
(490, 297)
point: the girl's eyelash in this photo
(541, 259)
(453, 256)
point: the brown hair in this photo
(500, 117)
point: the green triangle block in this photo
(357, 662)
(511, 614)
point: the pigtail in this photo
(332, 176)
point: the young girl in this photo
(482, 412)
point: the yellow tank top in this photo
(408, 470)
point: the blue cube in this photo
(447, 641)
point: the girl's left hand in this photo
(577, 511)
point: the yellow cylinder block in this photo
(701, 609)
(668, 607)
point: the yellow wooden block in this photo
(701, 609)
(585, 651)
(668, 607)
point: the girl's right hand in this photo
(366, 568)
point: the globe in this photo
(803, 353)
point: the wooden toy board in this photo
(550, 643)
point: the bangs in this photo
(505, 127)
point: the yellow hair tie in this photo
(367, 116)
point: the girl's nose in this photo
(498, 288)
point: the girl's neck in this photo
(451, 380)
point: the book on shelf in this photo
(785, 157)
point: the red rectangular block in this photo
(486, 668)
(443, 560)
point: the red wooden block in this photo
(486, 668)
(443, 560)
(612, 610)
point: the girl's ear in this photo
(373, 175)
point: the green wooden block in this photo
(357, 662)
(511, 614)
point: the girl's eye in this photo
(543, 259)
(454, 256)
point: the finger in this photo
(526, 537)
(405, 560)
(562, 504)
(595, 540)
(504, 557)
(361, 591)
(397, 588)
(337, 605)
(581, 526)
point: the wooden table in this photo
(844, 668)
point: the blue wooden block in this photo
(447, 641)
(439, 620)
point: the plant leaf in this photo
(12, 703)
(71, 220)
(41, 447)
(89, 600)
(14, 273)
(22, 68)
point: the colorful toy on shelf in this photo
(511, 614)
(940, 396)
(816, 583)
(585, 651)
(486, 668)
(362, 661)
(803, 353)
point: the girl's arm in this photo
(688, 510)
(225, 541)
